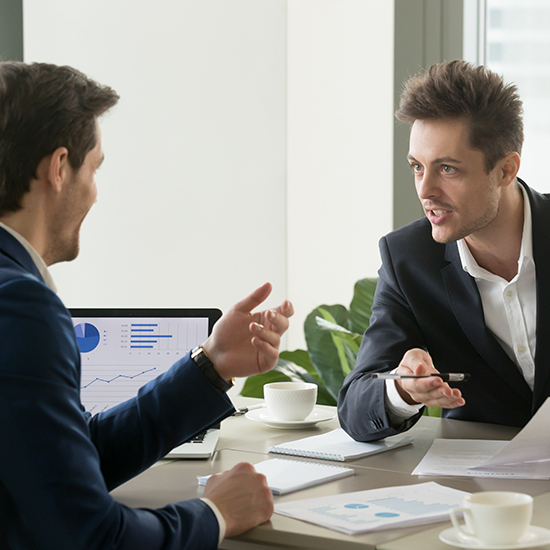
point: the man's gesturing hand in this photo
(245, 343)
(242, 496)
(432, 392)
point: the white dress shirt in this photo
(509, 308)
(43, 268)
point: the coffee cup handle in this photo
(462, 532)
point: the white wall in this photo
(252, 142)
(191, 209)
(340, 132)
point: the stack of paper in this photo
(527, 456)
(363, 511)
(338, 445)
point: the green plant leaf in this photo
(432, 411)
(333, 337)
(300, 357)
(350, 342)
(328, 325)
(361, 304)
(254, 385)
(296, 373)
(326, 351)
(293, 366)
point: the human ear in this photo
(509, 167)
(59, 168)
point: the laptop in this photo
(123, 349)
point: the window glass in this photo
(517, 46)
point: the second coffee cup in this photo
(494, 517)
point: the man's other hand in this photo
(243, 343)
(242, 496)
(432, 392)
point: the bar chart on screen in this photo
(120, 355)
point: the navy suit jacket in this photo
(424, 299)
(57, 463)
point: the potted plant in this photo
(333, 335)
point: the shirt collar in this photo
(36, 258)
(526, 252)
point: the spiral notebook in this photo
(338, 445)
(286, 476)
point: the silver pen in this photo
(447, 376)
(240, 412)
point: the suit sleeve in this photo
(392, 331)
(57, 465)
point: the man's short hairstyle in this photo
(44, 107)
(457, 89)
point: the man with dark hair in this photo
(57, 463)
(458, 290)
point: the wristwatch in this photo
(207, 368)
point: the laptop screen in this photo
(123, 349)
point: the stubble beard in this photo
(483, 221)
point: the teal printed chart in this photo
(363, 511)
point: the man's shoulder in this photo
(420, 228)
(538, 200)
(413, 238)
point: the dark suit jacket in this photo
(424, 299)
(57, 464)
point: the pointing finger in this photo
(254, 299)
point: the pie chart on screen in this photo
(87, 337)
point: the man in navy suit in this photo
(465, 289)
(57, 463)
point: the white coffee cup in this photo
(494, 517)
(290, 400)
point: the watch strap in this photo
(206, 366)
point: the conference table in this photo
(245, 440)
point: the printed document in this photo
(376, 509)
(526, 456)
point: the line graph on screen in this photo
(103, 387)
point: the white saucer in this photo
(318, 415)
(535, 536)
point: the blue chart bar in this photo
(139, 341)
(151, 336)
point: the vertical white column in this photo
(339, 161)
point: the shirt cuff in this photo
(396, 406)
(219, 517)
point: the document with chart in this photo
(120, 354)
(362, 511)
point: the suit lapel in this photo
(540, 212)
(466, 305)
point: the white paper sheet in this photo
(527, 456)
(377, 509)
(532, 443)
(458, 457)
(286, 476)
